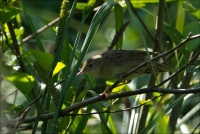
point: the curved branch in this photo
(101, 97)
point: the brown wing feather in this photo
(123, 56)
(124, 60)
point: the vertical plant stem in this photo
(56, 59)
(17, 51)
(185, 82)
(176, 111)
(39, 112)
(159, 28)
(15, 44)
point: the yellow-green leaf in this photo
(116, 89)
(146, 102)
(21, 81)
(58, 67)
(7, 13)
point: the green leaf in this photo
(137, 4)
(118, 23)
(113, 127)
(194, 29)
(58, 67)
(174, 34)
(7, 13)
(156, 119)
(44, 59)
(188, 116)
(83, 121)
(194, 68)
(195, 84)
(188, 6)
(162, 123)
(116, 89)
(18, 32)
(88, 9)
(81, 6)
(176, 37)
(143, 3)
(98, 17)
(22, 81)
(196, 14)
(146, 102)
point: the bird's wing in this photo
(159, 67)
(121, 56)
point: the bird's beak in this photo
(80, 72)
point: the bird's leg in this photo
(106, 92)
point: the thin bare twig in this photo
(27, 106)
(41, 30)
(118, 35)
(6, 96)
(20, 120)
(114, 111)
(180, 70)
(142, 22)
(195, 128)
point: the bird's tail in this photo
(158, 67)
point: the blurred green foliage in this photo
(88, 32)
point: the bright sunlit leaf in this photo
(162, 124)
(21, 81)
(196, 14)
(146, 102)
(59, 67)
(116, 89)
(81, 6)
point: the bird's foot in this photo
(106, 92)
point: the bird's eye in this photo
(90, 65)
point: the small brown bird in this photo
(112, 64)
